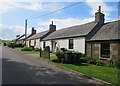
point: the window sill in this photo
(103, 58)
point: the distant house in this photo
(21, 39)
(35, 40)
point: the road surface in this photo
(19, 68)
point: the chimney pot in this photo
(99, 8)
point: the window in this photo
(105, 50)
(43, 44)
(70, 43)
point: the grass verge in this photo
(107, 74)
(30, 52)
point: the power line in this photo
(55, 11)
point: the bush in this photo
(99, 63)
(37, 49)
(47, 48)
(26, 49)
(64, 49)
(19, 45)
(115, 63)
(85, 59)
(60, 55)
(91, 61)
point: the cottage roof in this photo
(79, 30)
(22, 38)
(109, 31)
(38, 35)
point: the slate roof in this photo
(108, 31)
(79, 30)
(20, 37)
(38, 35)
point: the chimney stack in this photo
(33, 31)
(52, 27)
(17, 36)
(99, 17)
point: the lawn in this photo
(27, 52)
(31, 52)
(108, 74)
(0, 43)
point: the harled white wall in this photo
(79, 44)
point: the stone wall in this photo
(96, 50)
(114, 51)
(93, 49)
(88, 50)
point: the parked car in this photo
(9, 44)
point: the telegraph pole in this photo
(25, 30)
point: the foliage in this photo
(26, 49)
(115, 63)
(64, 49)
(99, 63)
(60, 54)
(47, 48)
(19, 45)
(37, 49)
(91, 60)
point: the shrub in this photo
(99, 63)
(85, 59)
(64, 49)
(60, 55)
(26, 49)
(37, 49)
(91, 61)
(19, 45)
(115, 63)
(47, 48)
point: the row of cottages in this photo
(95, 39)
(35, 41)
(21, 39)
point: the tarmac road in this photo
(19, 68)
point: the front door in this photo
(53, 43)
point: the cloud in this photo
(10, 32)
(95, 4)
(5, 7)
(33, 6)
(63, 23)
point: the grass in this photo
(27, 52)
(0, 43)
(31, 52)
(4, 41)
(108, 74)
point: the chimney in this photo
(52, 27)
(99, 17)
(33, 31)
(17, 36)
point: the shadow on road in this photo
(22, 73)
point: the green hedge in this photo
(26, 49)
(37, 49)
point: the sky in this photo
(13, 15)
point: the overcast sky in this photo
(13, 15)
